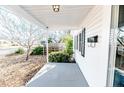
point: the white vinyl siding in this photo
(94, 64)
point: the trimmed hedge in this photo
(20, 51)
(59, 57)
(37, 51)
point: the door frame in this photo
(112, 45)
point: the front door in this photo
(119, 58)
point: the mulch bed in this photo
(15, 71)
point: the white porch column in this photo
(47, 51)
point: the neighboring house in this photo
(5, 43)
(61, 46)
(56, 47)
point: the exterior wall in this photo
(95, 63)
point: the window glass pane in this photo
(77, 42)
(80, 42)
(119, 63)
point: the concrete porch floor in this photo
(58, 75)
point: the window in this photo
(80, 42)
(83, 42)
(119, 62)
(77, 42)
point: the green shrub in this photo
(20, 51)
(59, 57)
(38, 51)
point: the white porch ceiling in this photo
(69, 17)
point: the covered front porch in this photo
(58, 75)
(72, 19)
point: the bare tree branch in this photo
(20, 31)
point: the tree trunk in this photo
(28, 53)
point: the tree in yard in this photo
(56, 36)
(68, 40)
(19, 30)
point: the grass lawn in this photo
(15, 71)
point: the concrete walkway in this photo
(58, 75)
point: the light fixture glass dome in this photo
(56, 8)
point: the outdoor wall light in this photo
(56, 8)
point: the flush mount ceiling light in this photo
(56, 8)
